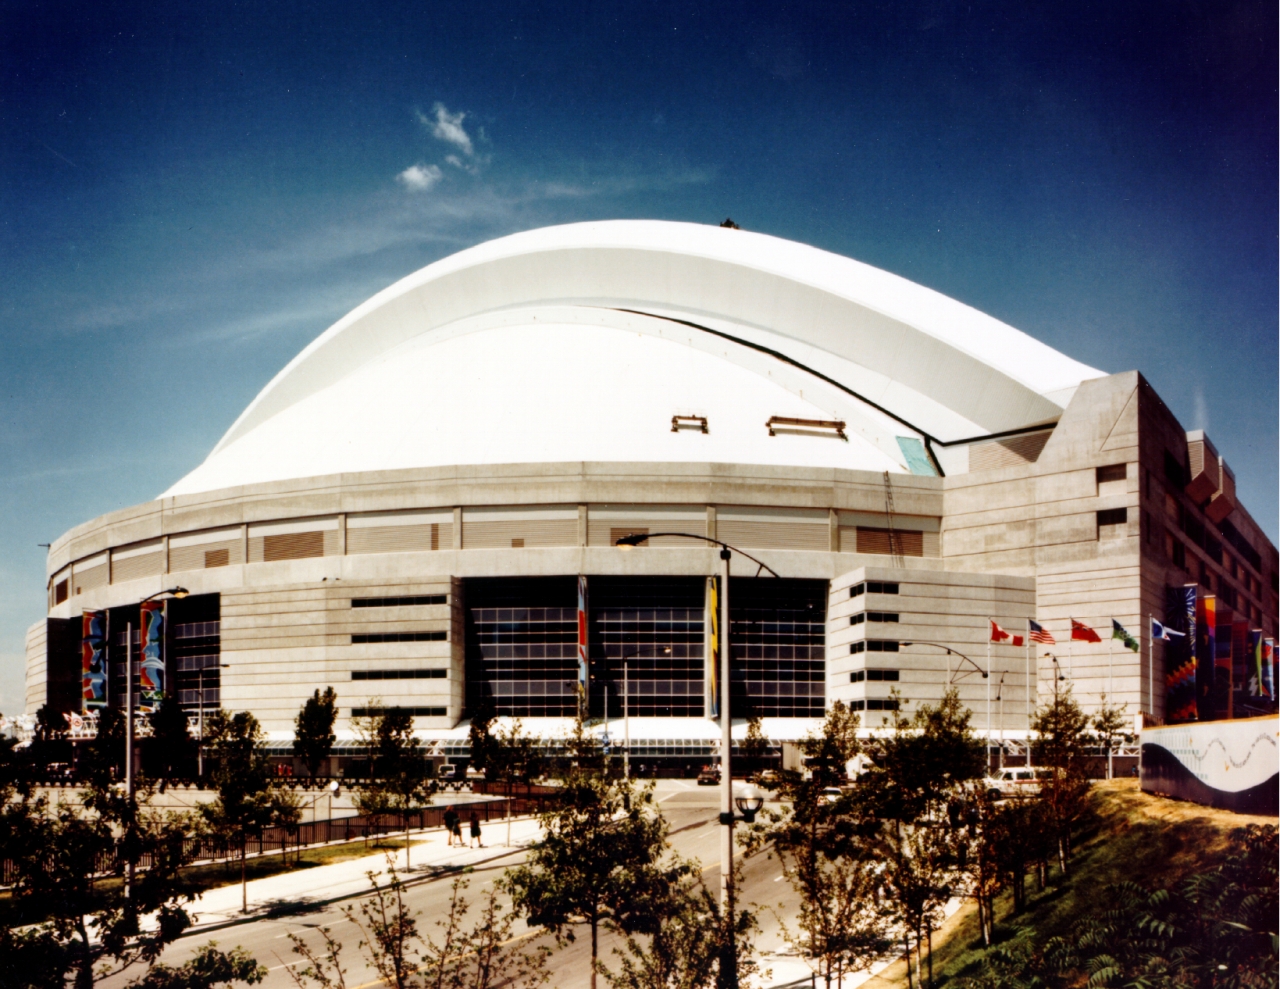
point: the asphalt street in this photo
(691, 813)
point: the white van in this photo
(1014, 780)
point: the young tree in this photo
(755, 746)
(209, 969)
(248, 800)
(1109, 725)
(313, 735)
(600, 862)
(1061, 730)
(169, 751)
(399, 779)
(513, 757)
(483, 743)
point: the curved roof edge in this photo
(355, 339)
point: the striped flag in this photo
(999, 635)
(582, 631)
(1038, 633)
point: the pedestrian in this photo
(451, 822)
(475, 830)
(457, 829)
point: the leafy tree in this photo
(755, 746)
(483, 743)
(684, 951)
(456, 957)
(102, 758)
(599, 863)
(514, 757)
(1061, 730)
(399, 779)
(209, 969)
(48, 740)
(169, 751)
(313, 735)
(248, 800)
(1109, 725)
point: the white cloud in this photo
(448, 127)
(420, 178)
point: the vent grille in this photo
(204, 555)
(607, 523)
(885, 542)
(89, 577)
(504, 528)
(400, 532)
(132, 564)
(1014, 451)
(775, 528)
(292, 546)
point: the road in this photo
(691, 813)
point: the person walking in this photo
(475, 831)
(451, 823)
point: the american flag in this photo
(1038, 633)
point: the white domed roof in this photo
(581, 342)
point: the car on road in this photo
(768, 778)
(709, 776)
(1014, 780)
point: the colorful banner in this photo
(1254, 651)
(582, 633)
(151, 665)
(1269, 668)
(713, 644)
(1180, 655)
(93, 660)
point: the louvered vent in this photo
(400, 532)
(606, 523)
(200, 550)
(89, 573)
(1014, 451)
(276, 541)
(138, 560)
(868, 532)
(774, 528)
(520, 526)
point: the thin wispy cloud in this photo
(420, 178)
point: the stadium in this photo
(422, 509)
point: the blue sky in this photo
(191, 193)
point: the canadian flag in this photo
(999, 635)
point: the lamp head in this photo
(633, 540)
(178, 592)
(749, 803)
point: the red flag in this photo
(1081, 631)
(1019, 640)
(997, 633)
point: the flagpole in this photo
(1111, 664)
(1026, 677)
(1151, 667)
(989, 633)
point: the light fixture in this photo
(749, 803)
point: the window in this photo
(366, 637)
(1112, 472)
(59, 592)
(857, 676)
(399, 674)
(881, 705)
(881, 616)
(1179, 553)
(1174, 472)
(873, 587)
(1113, 516)
(858, 619)
(873, 645)
(400, 602)
(416, 712)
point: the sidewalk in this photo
(306, 889)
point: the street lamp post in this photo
(626, 706)
(729, 974)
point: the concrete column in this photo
(582, 525)
(833, 540)
(711, 522)
(457, 528)
(164, 554)
(244, 543)
(342, 534)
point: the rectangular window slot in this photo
(686, 421)
(873, 645)
(366, 637)
(873, 616)
(873, 587)
(400, 602)
(1113, 516)
(416, 712)
(791, 425)
(857, 676)
(399, 674)
(1112, 472)
(873, 705)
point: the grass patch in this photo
(1133, 836)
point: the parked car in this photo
(1014, 780)
(709, 776)
(768, 778)
(450, 772)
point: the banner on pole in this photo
(1180, 655)
(582, 634)
(93, 660)
(151, 661)
(713, 643)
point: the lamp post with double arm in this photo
(728, 965)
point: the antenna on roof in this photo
(728, 222)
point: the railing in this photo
(206, 849)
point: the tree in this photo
(599, 862)
(209, 969)
(399, 777)
(248, 801)
(1060, 728)
(1109, 724)
(313, 735)
(513, 756)
(755, 746)
(456, 957)
(481, 738)
(170, 749)
(48, 740)
(102, 758)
